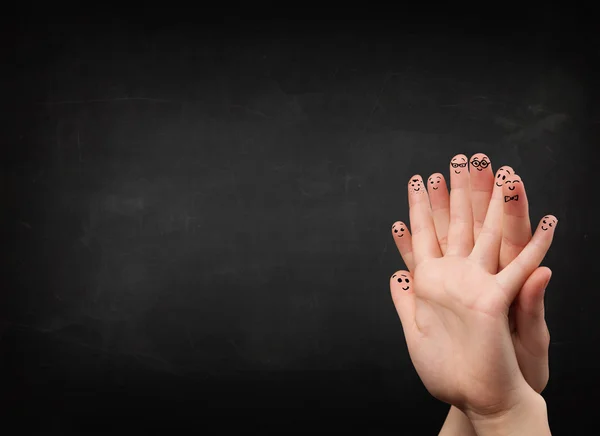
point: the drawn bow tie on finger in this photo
(508, 198)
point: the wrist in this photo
(457, 423)
(525, 417)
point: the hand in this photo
(459, 304)
(530, 333)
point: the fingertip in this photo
(435, 176)
(531, 296)
(503, 173)
(399, 229)
(548, 223)
(479, 156)
(513, 190)
(480, 161)
(401, 280)
(459, 167)
(547, 272)
(460, 159)
(416, 189)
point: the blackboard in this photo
(198, 221)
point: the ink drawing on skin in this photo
(435, 182)
(480, 164)
(548, 222)
(511, 185)
(512, 188)
(416, 184)
(399, 231)
(458, 162)
(501, 176)
(405, 277)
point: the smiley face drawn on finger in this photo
(402, 278)
(416, 185)
(435, 181)
(480, 163)
(399, 229)
(512, 183)
(548, 222)
(501, 176)
(458, 162)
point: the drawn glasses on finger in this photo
(483, 163)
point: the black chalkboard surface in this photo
(196, 224)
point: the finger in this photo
(482, 184)
(440, 208)
(531, 329)
(513, 277)
(529, 307)
(460, 229)
(487, 247)
(403, 241)
(401, 287)
(424, 240)
(516, 227)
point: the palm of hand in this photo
(460, 323)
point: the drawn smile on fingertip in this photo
(401, 230)
(433, 182)
(501, 177)
(548, 222)
(458, 163)
(480, 164)
(399, 279)
(512, 188)
(415, 184)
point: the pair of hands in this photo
(472, 304)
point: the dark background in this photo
(196, 213)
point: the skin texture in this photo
(505, 228)
(482, 184)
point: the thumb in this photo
(401, 287)
(529, 312)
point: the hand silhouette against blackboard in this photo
(472, 304)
